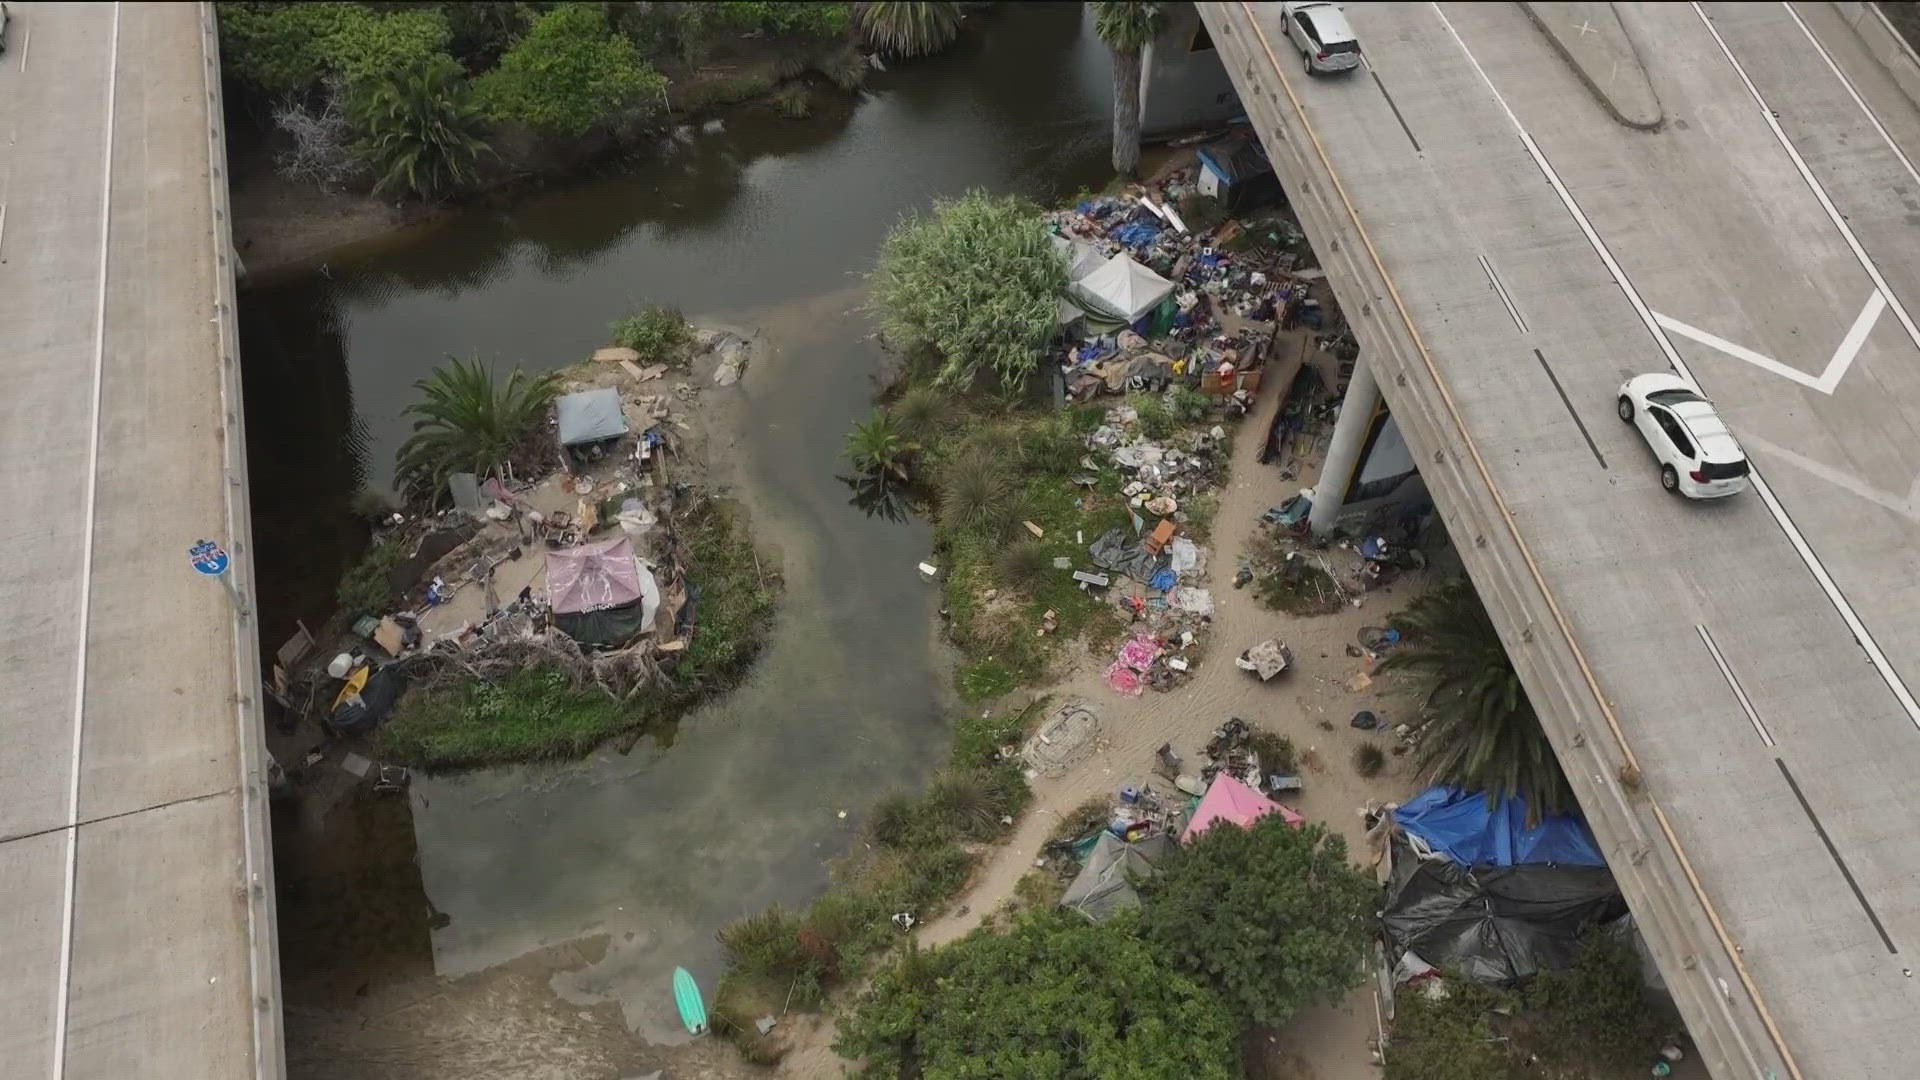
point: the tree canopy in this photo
(1482, 733)
(283, 50)
(1127, 26)
(1051, 997)
(419, 128)
(977, 281)
(471, 422)
(1271, 916)
(569, 74)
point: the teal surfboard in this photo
(686, 994)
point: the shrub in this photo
(471, 422)
(419, 128)
(1050, 997)
(1275, 750)
(364, 589)
(1295, 939)
(923, 413)
(976, 280)
(1026, 566)
(570, 74)
(977, 495)
(284, 50)
(1369, 759)
(658, 332)
(1595, 1013)
(893, 819)
(908, 29)
(1447, 1038)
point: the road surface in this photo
(1510, 253)
(135, 888)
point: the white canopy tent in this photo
(1121, 289)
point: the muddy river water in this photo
(766, 223)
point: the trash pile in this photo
(583, 568)
(1327, 572)
(1152, 302)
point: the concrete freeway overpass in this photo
(1726, 684)
(135, 883)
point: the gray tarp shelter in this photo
(1081, 257)
(1106, 883)
(1121, 289)
(590, 416)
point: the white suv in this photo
(1320, 32)
(1698, 455)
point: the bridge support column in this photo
(1343, 453)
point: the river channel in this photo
(765, 223)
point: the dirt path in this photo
(1311, 705)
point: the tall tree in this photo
(1051, 998)
(1273, 917)
(1127, 26)
(1481, 732)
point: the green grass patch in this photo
(659, 333)
(530, 715)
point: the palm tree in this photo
(471, 423)
(1127, 26)
(876, 447)
(419, 128)
(908, 29)
(1482, 734)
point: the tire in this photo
(1670, 478)
(1306, 61)
(1625, 409)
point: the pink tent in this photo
(1227, 799)
(593, 577)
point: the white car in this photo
(1698, 455)
(1320, 31)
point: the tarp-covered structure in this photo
(360, 712)
(1108, 882)
(601, 594)
(1229, 800)
(1081, 257)
(1236, 172)
(1120, 289)
(1498, 919)
(589, 416)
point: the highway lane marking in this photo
(26, 42)
(1819, 193)
(1829, 378)
(1493, 279)
(1907, 506)
(1571, 411)
(86, 573)
(1740, 695)
(1780, 516)
(1396, 108)
(1872, 117)
(1845, 871)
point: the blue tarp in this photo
(1461, 826)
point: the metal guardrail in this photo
(263, 945)
(1702, 965)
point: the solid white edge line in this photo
(1819, 193)
(1733, 684)
(86, 573)
(1780, 516)
(1872, 117)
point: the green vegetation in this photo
(529, 715)
(543, 712)
(1591, 1020)
(420, 130)
(1127, 27)
(470, 422)
(908, 29)
(1273, 917)
(571, 74)
(1051, 997)
(876, 449)
(657, 332)
(282, 50)
(975, 281)
(914, 863)
(1481, 732)
(365, 589)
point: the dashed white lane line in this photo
(86, 575)
(1780, 516)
